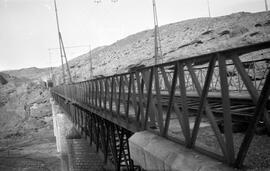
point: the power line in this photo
(99, 1)
(90, 52)
(70, 47)
(91, 63)
(208, 7)
(50, 64)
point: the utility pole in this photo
(158, 51)
(208, 6)
(62, 48)
(266, 5)
(51, 68)
(91, 63)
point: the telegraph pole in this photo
(91, 63)
(208, 6)
(266, 5)
(51, 68)
(62, 48)
(158, 51)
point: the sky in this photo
(28, 32)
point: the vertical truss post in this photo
(128, 98)
(119, 97)
(259, 111)
(184, 103)
(149, 94)
(226, 108)
(172, 91)
(158, 97)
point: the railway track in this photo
(242, 108)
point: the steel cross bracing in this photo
(160, 99)
(109, 138)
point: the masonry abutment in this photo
(153, 152)
(76, 153)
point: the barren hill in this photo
(179, 40)
(32, 73)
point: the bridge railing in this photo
(153, 99)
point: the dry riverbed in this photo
(32, 151)
(27, 142)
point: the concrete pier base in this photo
(62, 126)
(76, 154)
(153, 152)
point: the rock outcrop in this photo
(3, 80)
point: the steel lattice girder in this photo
(134, 100)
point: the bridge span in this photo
(200, 102)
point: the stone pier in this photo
(76, 153)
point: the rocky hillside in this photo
(26, 126)
(179, 40)
(24, 106)
(8, 86)
(32, 73)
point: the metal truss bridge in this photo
(175, 100)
